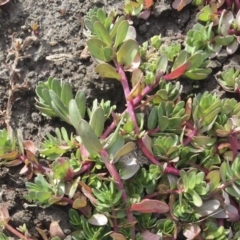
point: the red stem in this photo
(156, 130)
(233, 140)
(15, 232)
(190, 137)
(237, 4)
(115, 225)
(135, 101)
(113, 172)
(85, 167)
(126, 90)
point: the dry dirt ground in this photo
(55, 49)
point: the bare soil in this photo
(59, 36)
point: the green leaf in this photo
(198, 74)
(196, 60)
(101, 15)
(88, 24)
(127, 148)
(46, 97)
(162, 64)
(97, 121)
(109, 54)
(197, 201)
(118, 144)
(180, 60)
(224, 40)
(121, 33)
(66, 93)
(163, 123)
(58, 106)
(95, 47)
(81, 102)
(102, 33)
(56, 87)
(153, 118)
(74, 114)
(46, 111)
(127, 52)
(89, 138)
(214, 179)
(107, 71)
(114, 30)
(205, 14)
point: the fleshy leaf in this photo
(97, 121)
(89, 138)
(150, 206)
(98, 220)
(208, 207)
(105, 70)
(129, 168)
(102, 33)
(121, 33)
(127, 52)
(95, 47)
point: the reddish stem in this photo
(15, 232)
(190, 137)
(113, 172)
(85, 167)
(135, 101)
(156, 130)
(115, 225)
(168, 169)
(126, 90)
(233, 140)
(237, 4)
(229, 3)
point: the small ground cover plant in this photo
(164, 168)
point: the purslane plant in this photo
(229, 80)
(162, 168)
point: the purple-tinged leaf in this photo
(147, 235)
(144, 15)
(177, 72)
(150, 206)
(191, 231)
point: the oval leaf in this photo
(177, 72)
(102, 33)
(74, 114)
(129, 168)
(150, 206)
(127, 148)
(127, 52)
(98, 220)
(208, 208)
(107, 71)
(97, 121)
(89, 138)
(95, 47)
(121, 33)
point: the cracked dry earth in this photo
(44, 38)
